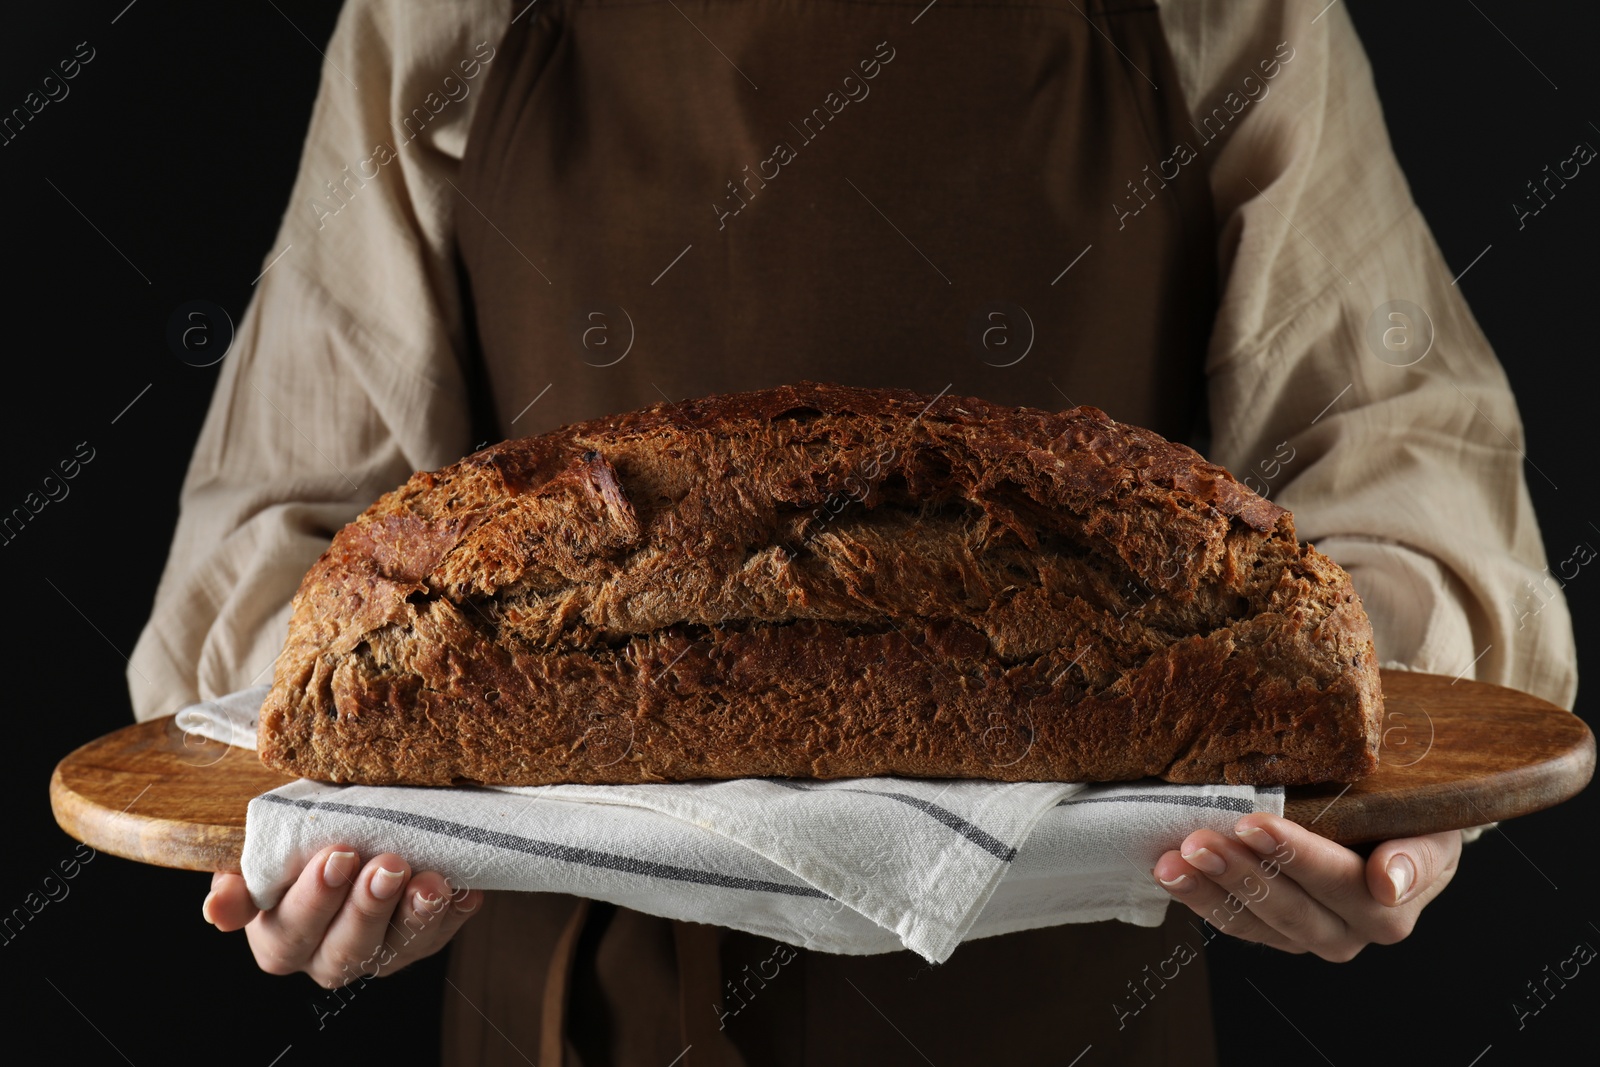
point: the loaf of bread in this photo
(823, 582)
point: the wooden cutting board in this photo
(1455, 754)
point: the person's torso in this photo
(671, 198)
(665, 200)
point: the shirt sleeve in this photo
(346, 373)
(1348, 379)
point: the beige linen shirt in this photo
(346, 372)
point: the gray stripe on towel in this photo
(565, 853)
(982, 838)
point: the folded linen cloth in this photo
(855, 866)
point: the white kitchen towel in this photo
(230, 719)
(855, 866)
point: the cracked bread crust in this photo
(824, 582)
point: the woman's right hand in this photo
(342, 921)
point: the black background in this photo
(179, 142)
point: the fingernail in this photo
(205, 908)
(338, 869)
(467, 909)
(1402, 873)
(386, 883)
(1205, 860)
(1181, 884)
(424, 904)
(1258, 839)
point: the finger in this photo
(1404, 875)
(356, 944)
(1368, 902)
(228, 906)
(463, 899)
(1273, 896)
(1325, 869)
(426, 919)
(1230, 914)
(1410, 869)
(285, 938)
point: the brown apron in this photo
(670, 199)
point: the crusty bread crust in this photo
(826, 582)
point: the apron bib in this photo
(665, 200)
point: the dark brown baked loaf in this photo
(825, 582)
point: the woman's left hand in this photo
(1282, 885)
